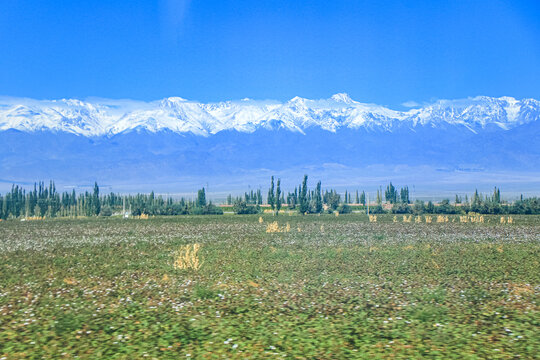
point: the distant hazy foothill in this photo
(175, 143)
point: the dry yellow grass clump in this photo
(476, 218)
(252, 283)
(407, 219)
(472, 217)
(372, 218)
(520, 289)
(428, 219)
(70, 281)
(442, 219)
(418, 219)
(30, 218)
(187, 257)
(274, 227)
(261, 220)
(509, 220)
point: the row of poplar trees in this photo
(44, 201)
(302, 199)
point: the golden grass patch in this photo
(187, 257)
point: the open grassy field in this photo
(329, 287)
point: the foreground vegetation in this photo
(307, 287)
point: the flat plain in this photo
(304, 287)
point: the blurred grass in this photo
(341, 287)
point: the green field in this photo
(330, 288)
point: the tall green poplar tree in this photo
(303, 201)
(271, 198)
(278, 196)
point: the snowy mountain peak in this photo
(343, 98)
(172, 101)
(297, 100)
(110, 117)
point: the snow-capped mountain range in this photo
(102, 117)
(175, 144)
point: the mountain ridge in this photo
(104, 117)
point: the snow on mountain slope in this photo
(72, 116)
(110, 117)
(506, 112)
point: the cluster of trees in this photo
(391, 195)
(306, 201)
(492, 204)
(45, 201)
(309, 201)
(487, 204)
(302, 199)
(250, 198)
(157, 205)
(313, 201)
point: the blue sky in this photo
(386, 52)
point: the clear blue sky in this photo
(387, 52)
